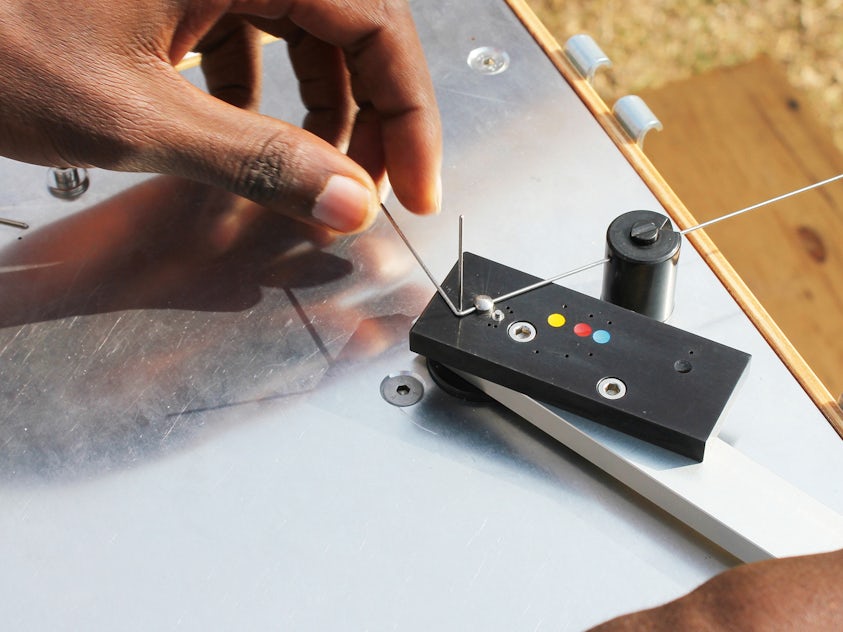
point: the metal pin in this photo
(14, 223)
(760, 204)
(459, 261)
(407, 243)
(561, 275)
(465, 312)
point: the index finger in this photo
(387, 62)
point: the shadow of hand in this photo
(166, 243)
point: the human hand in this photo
(799, 593)
(94, 84)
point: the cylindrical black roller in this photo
(643, 252)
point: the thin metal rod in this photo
(465, 312)
(760, 204)
(14, 223)
(407, 243)
(460, 260)
(550, 280)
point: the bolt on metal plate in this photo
(522, 331)
(483, 303)
(402, 389)
(611, 388)
(488, 60)
(67, 183)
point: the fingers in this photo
(231, 62)
(325, 88)
(390, 81)
(265, 160)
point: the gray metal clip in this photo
(635, 117)
(586, 56)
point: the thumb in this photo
(268, 161)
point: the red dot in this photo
(582, 330)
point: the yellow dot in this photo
(556, 320)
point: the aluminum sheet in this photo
(196, 440)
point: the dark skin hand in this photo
(93, 84)
(799, 593)
(100, 89)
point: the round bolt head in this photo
(488, 60)
(611, 388)
(484, 303)
(644, 232)
(402, 389)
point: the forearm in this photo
(801, 593)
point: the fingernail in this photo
(438, 193)
(344, 204)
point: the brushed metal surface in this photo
(193, 436)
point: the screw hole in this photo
(611, 388)
(403, 389)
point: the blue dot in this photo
(601, 336)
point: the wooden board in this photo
(683, 218)
(734, 137)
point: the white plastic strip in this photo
(730, 499)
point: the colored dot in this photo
(582, 330)
(601, 336)
(556, 320)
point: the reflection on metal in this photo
(635, 117)
(67, 183)
(586, 56)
